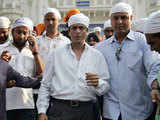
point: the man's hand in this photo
(42, 116)
(5, 56)
(92, 79)
(11, 83)
(32, 43)
(155, 94)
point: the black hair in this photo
(156, 35)
(94, 36)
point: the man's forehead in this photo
(49, 15)
(24, 28)
(120, 14)
(4, 29)
(78, 24)
(108, 28)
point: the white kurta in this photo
(65, 76)
(23, 62)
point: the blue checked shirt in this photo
(130, 77)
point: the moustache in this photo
(50, 26)
(20, 44)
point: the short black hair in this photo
(94, 36)
(156, 35)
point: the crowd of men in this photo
(77, 75)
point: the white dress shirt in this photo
(46, 45)
(23, 62)
(65, 76)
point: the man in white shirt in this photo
(26, 60)
(4, 32)
(51, 38)
(75, 74)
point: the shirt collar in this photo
(70, 48)
(130, 36)
(45, 36)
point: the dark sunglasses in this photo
(117, 54)
(123, 17)
(78, 27)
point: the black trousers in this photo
(60, 110)
(21, 114)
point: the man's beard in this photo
(3, 39)
(20, 44)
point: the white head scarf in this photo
(78, 18)
(152, 25)
(97, 29)
(138, 25)
(4, 22)
(107, 24)
(52, 10)
(121, 7)
(23, 21)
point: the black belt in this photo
(72, 103)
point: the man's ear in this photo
(69, 31)
(131, 17)
(12, 31)
(9, 29)
(59, 21)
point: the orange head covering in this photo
(70, 13)
(40, 29)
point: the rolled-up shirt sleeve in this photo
(44, 91)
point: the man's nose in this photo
(78, 29)
(50, 21)
(1, 34)
(21, 35)
(119, 20)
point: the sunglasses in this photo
(117, 54)
(78, 27)
(123, 17)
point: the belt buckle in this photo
(74, 103)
